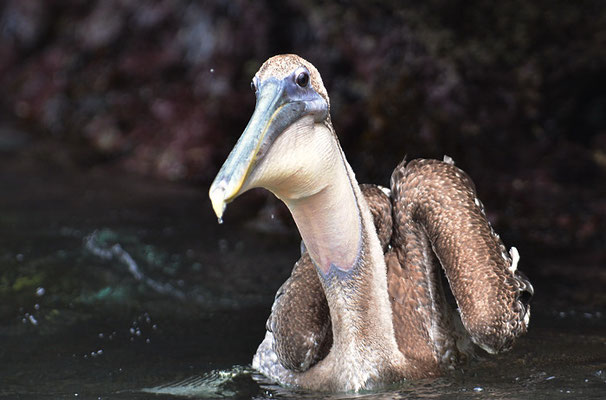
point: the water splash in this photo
(115, 251)
(213, 384)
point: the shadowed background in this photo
(513, 91)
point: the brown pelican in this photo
(365, 304)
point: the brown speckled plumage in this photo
(300, 319)
(437, 201)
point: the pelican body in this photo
(364, 305)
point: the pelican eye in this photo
(302, 79)
(253, 85)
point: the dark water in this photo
(179, 306)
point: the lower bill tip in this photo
(217, 198)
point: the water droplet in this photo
(478, 389)
(220, 220)
(40, 291)
(212, 70)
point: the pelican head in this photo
(273, 151)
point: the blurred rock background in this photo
(514, 91)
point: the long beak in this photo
(273, 113)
